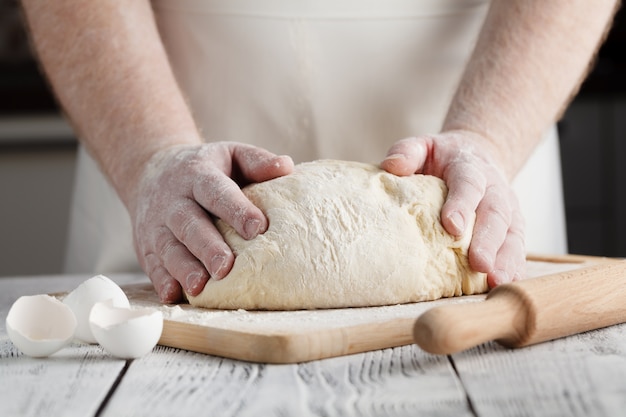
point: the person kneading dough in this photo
(344, 234)
(177, 103)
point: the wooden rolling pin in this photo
(530, 311)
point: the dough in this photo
(344, 234)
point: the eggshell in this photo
(86, 295)
(124, 332)
(40, 325)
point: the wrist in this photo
(129, 165)
(503, 143)
(479, 143)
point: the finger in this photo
(493, 218)
(510, 263)
(192, 226)
(407, 156)
(466, 188)
(167, 288)
(258, 165)
(180, 263)
(221, 196)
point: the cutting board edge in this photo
(568, 258)
(282, 348)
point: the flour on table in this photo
(344, 234)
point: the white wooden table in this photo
(583, 375)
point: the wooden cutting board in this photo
(300, 336)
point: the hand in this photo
(476, 184)
(180, 190)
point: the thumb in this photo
(258, 165)
(406, 157)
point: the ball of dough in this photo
(344, 234)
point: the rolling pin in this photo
(529, 311)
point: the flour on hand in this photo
(344, 234)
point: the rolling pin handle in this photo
(450, 329)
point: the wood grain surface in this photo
(392, 382)
(580, 375)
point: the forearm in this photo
(530, 59)
(111, 75)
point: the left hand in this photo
(476, 184)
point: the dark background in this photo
(35, 164)
(593, 151)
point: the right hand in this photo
(180, 190)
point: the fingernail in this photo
(252, 228)
(395, 156)
(218, 263)
(500, 276)
(166, 292)
(278, 160)
(457, 221)
(194, 282)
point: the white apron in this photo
(341, 79)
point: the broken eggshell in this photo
(40, 325)
(82, 299)
(124, 332)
